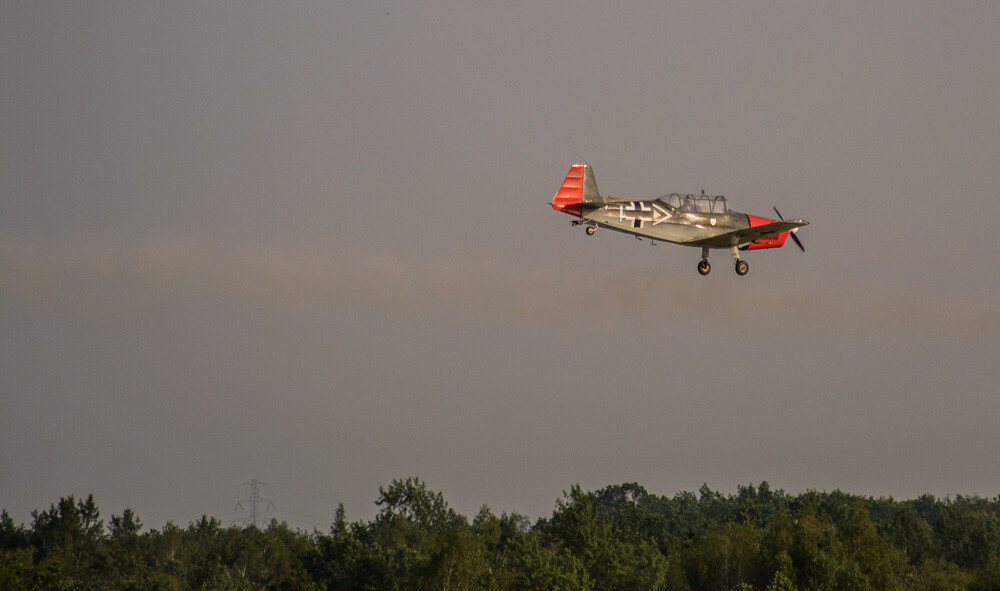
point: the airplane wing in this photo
(747, 235)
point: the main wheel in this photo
(742, 267)
(591, 230)
(704, 268)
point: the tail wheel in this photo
(704, 268)
(742, 267)
(591, 230)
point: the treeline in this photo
(619, 537)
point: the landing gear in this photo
(703, 267)
(591, 227)
(742, 267)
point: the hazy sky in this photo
(310, 243)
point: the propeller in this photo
(791, 232)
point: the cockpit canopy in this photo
(696, 203)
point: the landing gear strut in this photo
(742, 267)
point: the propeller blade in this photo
(797, 241)
(792, 233)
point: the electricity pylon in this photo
(255, 501)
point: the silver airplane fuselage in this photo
(658, 219)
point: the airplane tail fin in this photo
(578, 189)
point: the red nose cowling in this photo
(772, 241)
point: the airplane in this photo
(699, 221)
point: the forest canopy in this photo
(618, 537)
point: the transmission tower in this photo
(255, 501)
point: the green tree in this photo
(781, 582)
(611, 548)
(574, 526)
(501, 538)
(351, 563)
(202, 554)
(12, 536)
(964, 530)
(458, 562)
(16, 554)
(410, 499)
(411, 516)
(339, 527)
(167, 549)
(724, 557)
(53, 577)
(872, 561)
(642, 566)
(806, 545)
(547, 568)
(127, 552)
(939, 575)
(16, 568)
(911, 533)
(70, 534)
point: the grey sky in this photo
(310, 244)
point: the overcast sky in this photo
(310, 243)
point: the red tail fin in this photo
(578, 188)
